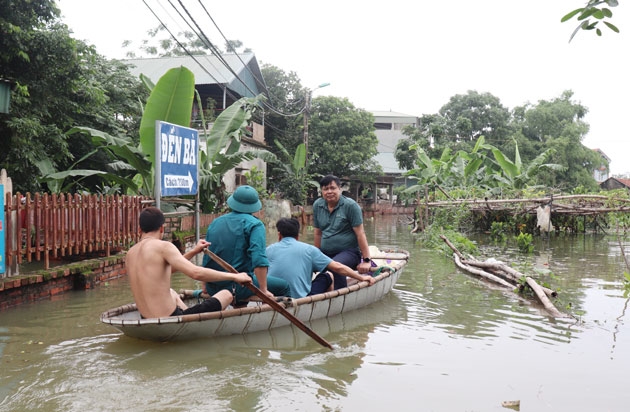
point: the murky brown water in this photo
(442, 341)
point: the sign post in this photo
(176, 160)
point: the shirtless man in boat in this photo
(150, 263)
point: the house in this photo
(220, 81)
(613, 183)
(389, 126)
(600, 173)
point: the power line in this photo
(234, 97)
(219, 56)
(212, 47)
(197, 34)
(217, 53)
(227, 42)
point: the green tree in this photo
(223, 152)
(471, 115)
(295, 179)
(476, 169)
(457, 126)
(122, 157)
(430, 135)
(18, 20)
(515, 174)
(287, 98)
(341, 139)
(284, 134)
(124, 160)
(558, 124)
(59, 83)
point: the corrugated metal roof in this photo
(208, 69)
(388, 163)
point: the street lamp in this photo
(307, 115)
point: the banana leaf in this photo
(170, 101)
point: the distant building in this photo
(613, 183)
(601, 172)
(389, 126)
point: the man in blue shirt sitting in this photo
(295, 262)
(240, 239)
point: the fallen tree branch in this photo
(553, 311)
(508, 272)
(475, 267)
(482, 273)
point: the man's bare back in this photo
(150, 278)
(151, 262)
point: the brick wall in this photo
(44, 284)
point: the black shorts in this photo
(209, 305)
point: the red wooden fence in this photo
(42, 226)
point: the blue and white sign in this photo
(2, 234)
(177, 150)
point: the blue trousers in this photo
(350, 258)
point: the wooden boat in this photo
(258, 316)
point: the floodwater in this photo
(441, 341)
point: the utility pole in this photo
(307, 114)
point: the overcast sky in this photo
(407, 56)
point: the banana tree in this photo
(432, 171)
(171, 101)
(222, 152)
(295, 179)
(126, 160)
(515, 175)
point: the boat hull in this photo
(258, 316)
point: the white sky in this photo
(407, 56)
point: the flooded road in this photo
(441, 341)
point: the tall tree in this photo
(287, 98)
(59, 83)
(341, 139)
(18, 20)
(283, 128)
(457, 126)
(558, 124)
(430, 135)
(473, 114)
(161, 44)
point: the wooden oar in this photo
(271, 302)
